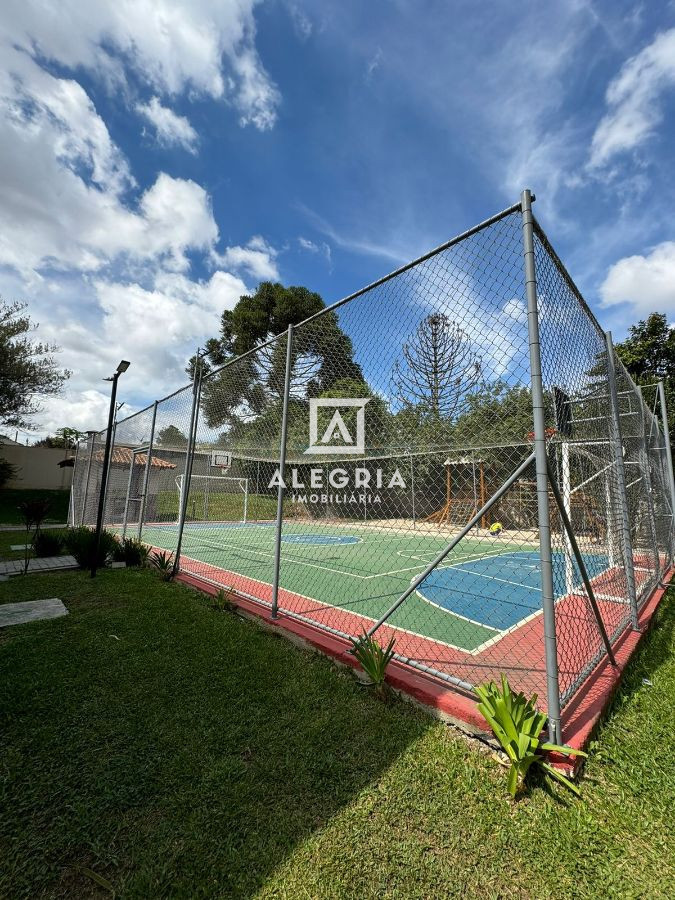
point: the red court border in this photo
(580, 715)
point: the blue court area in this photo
(501, 591)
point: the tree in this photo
(253, 387)
(28, 370)
(64, 439)
(171, 437)
(439, 368)
(649, 350)
(649, 355)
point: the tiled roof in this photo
(121, 456)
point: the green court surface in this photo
(483, 588)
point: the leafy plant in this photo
(33, 513)
(131, 551)
(81, 542)
(373, 658)
(163, 562)
(517, 725)
(222, 602)
(47, 543)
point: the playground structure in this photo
(387, 530)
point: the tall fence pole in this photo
(647, 481)
(146, 475)
(541, 466)
(71, 501)
(92, 444)
(189, 457)
(669, 459)
(617, 444)
(282, 473)
(103, 493)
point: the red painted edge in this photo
(584, 711)
(425, 688)
(580, 716)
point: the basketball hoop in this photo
(221, 459)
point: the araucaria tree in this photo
(438, 370)
(28, 370)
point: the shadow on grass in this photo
(170, 748)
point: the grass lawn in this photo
(178, 751)
(10, 499)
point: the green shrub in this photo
(80, 543)
(163, 562)
(48, 543)
(517, 726)
(33, 513)
(131, 551)
(373, 658)
(222, 601)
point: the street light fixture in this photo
(122, 367)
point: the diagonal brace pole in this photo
(453, 543)
(582, 565)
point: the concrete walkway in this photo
(31, 611)
(38, 564)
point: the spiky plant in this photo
(517, 725)
(373, 659)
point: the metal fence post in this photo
(617, 444)
(647, 480)
(92, 444)
(669, 458)
(71, 501)
(189, 457)
(282, 473)
(146, 476)
(541, 466)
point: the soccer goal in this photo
(215, 498)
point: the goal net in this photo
(214, 498)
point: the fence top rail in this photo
(560, 266)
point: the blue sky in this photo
(159, 157)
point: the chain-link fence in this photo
(453, 457)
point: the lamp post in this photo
(123, 366)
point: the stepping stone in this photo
(31, 611)
(39, 564)
(19, 546)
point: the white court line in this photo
(496, 578)
(224, 545)
(456, 615)
(324, 603)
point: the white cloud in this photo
(84, 410)
(203, 46)
(312, 247)
(171, 128)
(65, 183)
(633, 98)
(156, 327)
(301, 22)
(106, 267)
(258, 258)
(646, 282)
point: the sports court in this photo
(478, 594)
